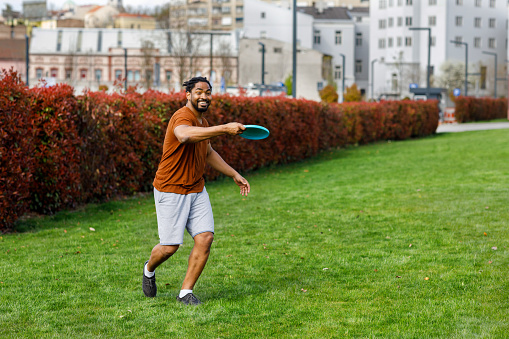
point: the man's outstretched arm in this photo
(192, 134)
(217, 163)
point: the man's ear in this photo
(188, 95)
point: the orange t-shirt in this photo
(182, 165)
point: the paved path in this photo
(448, 128)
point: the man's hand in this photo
(234, 128)
(243, 184)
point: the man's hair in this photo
(189, 84)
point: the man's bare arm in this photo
(193, 134)
(217, 163)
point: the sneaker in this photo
(189, 299)
(149, 284)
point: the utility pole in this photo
(294, 52)
(263, 68)
(428, 74)
(125, 68)
(466, 62)
(342, 78)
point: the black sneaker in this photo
(149, 284)
(189, 299)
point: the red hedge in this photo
(479, 109)
(59, 149)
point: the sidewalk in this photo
(452, 128)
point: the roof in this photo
(359, 10)
(95, 9)
(335, 13)
(12, 49)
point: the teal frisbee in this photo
(255, 132)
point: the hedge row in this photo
(479, 109)
(58, 150)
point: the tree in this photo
(289, 84)
(452, 75)
(226, 60)
(329, 94)
(352, 94)
(147, 49)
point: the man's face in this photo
(200, 96)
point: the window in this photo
(358, 66)
(477, 42)
(400, 21)
(477, 22)
(99, 40)
(278, 50)
(408, 21)
(316, 37)
(98, 75)
(38, 73)
(477, 3)
(53, 72)
(225, 9)
(459, 21)
(168, 76)
(382, 23)
(391, 3)
(493, 22)
(400, 2)
(432, 2)
(148, 76)
(358, 39)
(119, 39)
(338, 38)
(381, 43)
(482, 79)
(239, 9)
(433, 41)
(168, 41)
(409, 2)
(399, 41)
(432, 20)
(391, 22)
(80, 37)
(118, 74)
(59, 41)
(383, 4)
(408, 41)
(130, 76)
(459, 2)
(83, 74)
(68, 73)
(137, 75)
(492, 3)
(262, 15)
(337, 72)
(458, 39)
(263, 34)
(492, 43)
(389, 42)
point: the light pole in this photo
(466, 62)
(294, 50)
(429, 53)
(342, 78)
(27, 56)
(125, 68)
(496, 73)
(373, 76)
(263, 67)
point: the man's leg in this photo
(197, 259)
(160, 253)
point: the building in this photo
(278, 65)
(34, 10)
(160, 59)
(134, 21)
(399, 55)
(101, 17)
(224, 15)
(13, 51)
(333, 31)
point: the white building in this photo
(331, 30)
(399, 55)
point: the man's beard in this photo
(197, 106)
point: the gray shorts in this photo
(177, 212)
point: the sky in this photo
(17, 5)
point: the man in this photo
(180, 196)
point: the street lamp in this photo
(429, 52)
(373, 76)
(496, 73)
(125, 68)
(466, 62)
(294, 50)
(263, 67)
(342, 78)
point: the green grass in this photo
(337, 246)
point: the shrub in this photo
(329, 94)
(352, 94)
(479, 109)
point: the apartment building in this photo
(223, 15)
(399, 56)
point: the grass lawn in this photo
(397, 239)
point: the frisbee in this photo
(255, 132)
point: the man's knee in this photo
(168, 250)
(204, 239)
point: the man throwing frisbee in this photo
(181, 200)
